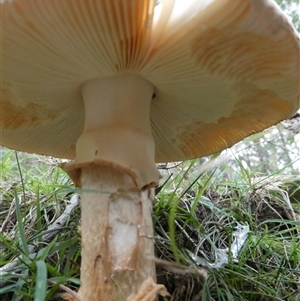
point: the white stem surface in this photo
(117, 127)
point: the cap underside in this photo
(222, 70)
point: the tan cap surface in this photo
(222, 69)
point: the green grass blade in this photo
(41, 281)
(23, 240)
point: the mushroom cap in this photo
(222, 69)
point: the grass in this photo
(200, 218)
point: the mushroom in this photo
(119, 85)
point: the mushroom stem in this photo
(115, 168)
(117, 235)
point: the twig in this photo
(68, 290)
(61, 221)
